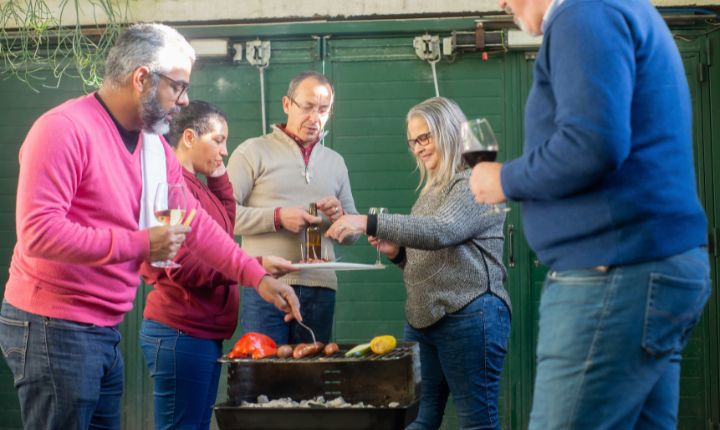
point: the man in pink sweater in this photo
(74, 270)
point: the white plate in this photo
(338, 266)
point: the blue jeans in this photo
(68, 375)
(463, 354)
(317, 306)
(185, 374)
(609, 344)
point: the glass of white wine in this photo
(377, 211)
(169, 208)
(479, 144)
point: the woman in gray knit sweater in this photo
(450, 250)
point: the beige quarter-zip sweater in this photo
(268, 172)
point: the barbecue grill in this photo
(377, 380)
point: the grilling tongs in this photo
(310, 330)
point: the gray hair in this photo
(444, 119)
(308, 74)
(148, 44)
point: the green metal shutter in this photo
(378, 78)
(700, 377)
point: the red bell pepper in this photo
(255, 345)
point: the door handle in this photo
(511, 254)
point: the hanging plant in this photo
(37, 49)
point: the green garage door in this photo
(378, 78)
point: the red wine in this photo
(474, 157)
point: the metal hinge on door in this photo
(427, 47)
(510, 237)
(321, 48)
(258, 53)
(713, 244)
(704, 61)
(708, 62)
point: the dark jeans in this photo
(463, 354)
(185, 374)
(68, 375)
(317, 306)
(609, 344)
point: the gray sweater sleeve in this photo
(458, 219)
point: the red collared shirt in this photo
(305, 150)
(305, 147)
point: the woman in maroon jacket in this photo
(193, 308)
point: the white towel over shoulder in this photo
(154, 171)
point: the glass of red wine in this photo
(479, 144)
(377, 211)
(169, 209)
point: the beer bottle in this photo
(313, 239)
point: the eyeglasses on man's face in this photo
(178, 87)
(421, 140)
(308, 108)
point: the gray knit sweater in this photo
(453, 251)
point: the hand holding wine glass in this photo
(479, 144)
(390, 249)
(377, 211)
(169, 208)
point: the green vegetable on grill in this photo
(359, 350)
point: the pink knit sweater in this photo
(79, 250)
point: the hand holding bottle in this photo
(331, 207)
(313, 238)
(296, 218)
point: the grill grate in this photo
(399, 352)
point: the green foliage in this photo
(33, 40)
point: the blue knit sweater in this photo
(606, 176)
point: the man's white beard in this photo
(158, 127)
(153, 116)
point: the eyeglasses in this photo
(421, 140)
(310, 108)
(179, 87)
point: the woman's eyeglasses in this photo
(421, 140)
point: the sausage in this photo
(284, 351)
(307, 349)
(296, 351)
(331, 349)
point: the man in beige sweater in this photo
(275, 177)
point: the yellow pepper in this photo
(383, 344)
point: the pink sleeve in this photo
(211, 243)
(52, 166)
(195, 272)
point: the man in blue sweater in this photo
(609, 203)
